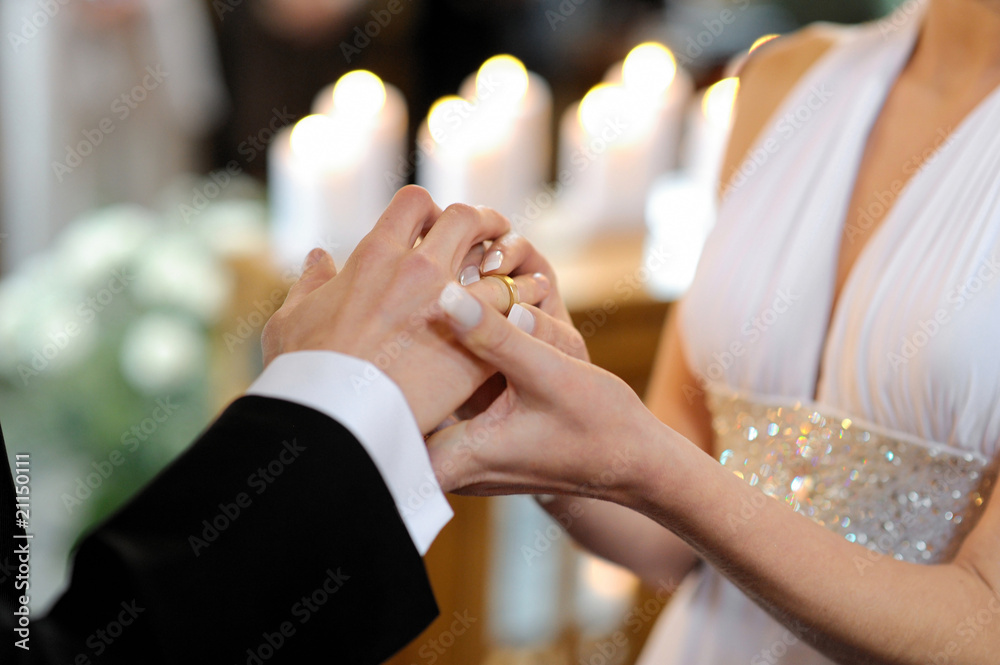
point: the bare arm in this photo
(619, 534)
(852, 605)
(625, 536)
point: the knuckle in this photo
(420, 266)
(461, 210)
(372, 250)
(414, 195)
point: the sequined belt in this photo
(891, 493)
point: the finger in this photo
(502, 343)
(408, 216)
(531, 289)
(317, 269)
(469, 272)
(512, 254)
(458, 229)
(550, 330)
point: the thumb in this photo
(504, 343)
(317, 270)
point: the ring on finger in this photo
(511, 290)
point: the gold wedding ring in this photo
(511, 291)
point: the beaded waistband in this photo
(891, 493)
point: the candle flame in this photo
(447, 116)
(719, 100)
(649, 69)
(325, 141)
(602, 103)
(502, 78)
(360, 94)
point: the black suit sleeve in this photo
(273, 539)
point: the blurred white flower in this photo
(103, 241)
(163, 353)
(178, 270)
(40, 325)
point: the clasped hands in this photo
(510, 405)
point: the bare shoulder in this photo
(767, 77)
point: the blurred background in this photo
(166, 165)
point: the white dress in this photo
(895, 452)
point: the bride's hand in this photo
(511, 254)
(382, 305)
(560, 426)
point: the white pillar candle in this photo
(622, 135)
(490, 145)
(332, 174)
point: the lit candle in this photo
(621, 136)
(334, 172)
(490, 145)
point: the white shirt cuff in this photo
(371, 406)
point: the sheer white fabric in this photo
(912, 345)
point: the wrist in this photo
(663, 469)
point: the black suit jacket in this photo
(273, 539)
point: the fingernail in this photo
(543, 281)
(469, 275)
(461, 306)
(522, 318)
(492, 260)
(312, 258)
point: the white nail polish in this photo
(461, 306)
(493, 261)
(469, 275)
(522, 318)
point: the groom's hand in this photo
(382, 306)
